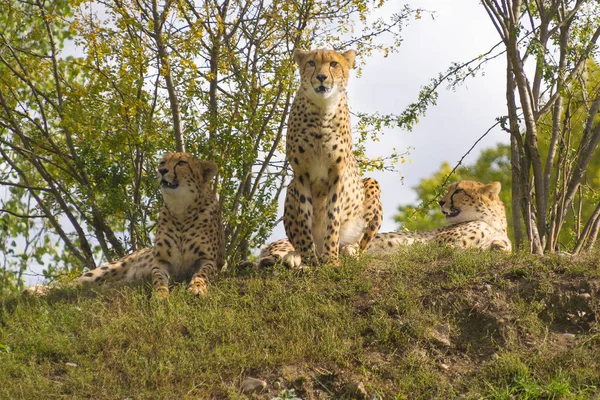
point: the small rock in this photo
(71, 364)
(277, 385)
(357, 389)
(568, 336)
(440, 338)
(253, 385)
(585, 296)
(445, 367)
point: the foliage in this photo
(429, 322)
(92, 92)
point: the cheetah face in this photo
(171, 168)
(469, 201)
(323, 73)
(182, 177)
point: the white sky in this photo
(460, 32)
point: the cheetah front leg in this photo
(199, 284)
(332, 237)
(297, 221)
(160, 278)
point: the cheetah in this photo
(189, 242)
(476, 214)
(474, 210)
(326, 206)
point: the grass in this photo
(429, 322)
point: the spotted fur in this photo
(476, 214)
(327, 207)
(189, 243)
(474, 210)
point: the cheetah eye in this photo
(311, 63)
(160, 164)
(333, 64)
(181, 162)
(458, 190)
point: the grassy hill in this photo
(430, 322)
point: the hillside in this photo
(430, 322)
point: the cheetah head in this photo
(471, 201)
(182, 177)
(323, 73)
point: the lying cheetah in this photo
(189, 243)
(474, 210)
(326, 205)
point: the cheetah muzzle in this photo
(169, 185)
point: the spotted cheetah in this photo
(326, 205)
(189, 242)
(474, 210)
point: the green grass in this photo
(427, 323)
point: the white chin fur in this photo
(323, 98)
(463, 216)
(177, 199)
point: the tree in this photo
(79, 134)
(561, 36)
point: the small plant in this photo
(288, 394)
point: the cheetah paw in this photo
(292, 260)
(198, 288)
(499, 245)
(351, 250)
(162, 292)
(332, 260)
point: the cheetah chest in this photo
(184, 245)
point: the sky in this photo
(460, 32)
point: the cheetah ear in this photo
(208, 169)
(493, 189)
(350, 55)
(299, 55)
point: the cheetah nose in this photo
(163, 171)
(442, 202)
(321, 77)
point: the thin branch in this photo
(24, 216)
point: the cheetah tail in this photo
(130, 267)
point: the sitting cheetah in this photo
(189, 242)
(476, 214)
(326, 205)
